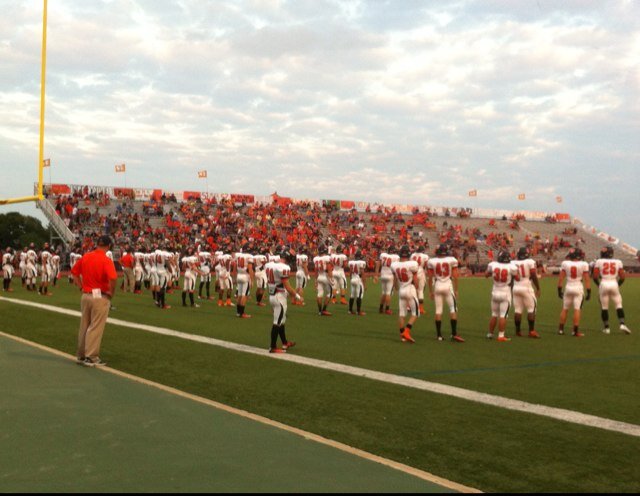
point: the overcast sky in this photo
(403, 101)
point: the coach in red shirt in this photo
(96, 276)
(127, 262)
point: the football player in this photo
(243, 268)
(503, 272)
(46, 271)
(30, 268)
(405, 278)
(55, 268)
(259, 262)
(423, 260)
(339, 261)
(7, 269)
(324, 288)
(524, 295)
(384, 273)
(23, 266)
(278, 281)
(204, 259)
(443, 288)
(190, 265)
(357, 269)
(609, 275)
(162, 258)
(225, 283)
(302, 275)
(575, 271)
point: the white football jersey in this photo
(32, 257)
(322, 264)
(574, 271)
(7, 259)
(301, 261)
(609, 268)
(339, 261)
(502, 274)
(404, 271)
(526, 268)
(243, 262)
(441, 268)
(277, 273)
(259, 261)
(386, 260)
(422, 259)
(357, 267)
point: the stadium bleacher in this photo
(148, 217)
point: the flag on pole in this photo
(559, 199)
(121, 168)
(46, 162)
(473, 192)
(202, 174)
(522, 196)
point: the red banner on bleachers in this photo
(191, 195)
(156, 195)
(347, 205)
(60, 189)
(248, 199)
(128, 192)
(563, 217)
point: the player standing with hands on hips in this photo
(96, 277)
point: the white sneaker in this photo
(606, 330)
(625, 329)
(561, 332)
(489, 335)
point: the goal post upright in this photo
(39, 194)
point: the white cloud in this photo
(329, 98)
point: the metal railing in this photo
(56, 222)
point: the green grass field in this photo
(480, 446)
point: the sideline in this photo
(433, 387)
(420, 474)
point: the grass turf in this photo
(477, 445)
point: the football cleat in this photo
(560, 332)
(288, 344)
(440, 338)
(277, 350)
(388, 312)
(457, 339)
(220, 304)
(362, 314)
(324, 313)
(519, 334)
(407, 335)
(166, 307)
(534, 335)
(606, 330)
(503, 339)
(625, 329)
(577, 334)
(245, 316)
(489, 335)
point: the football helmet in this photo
(607, 252)
(442, 250)
(523, 253)
(575, 254)
(504, 256)
(405, 251)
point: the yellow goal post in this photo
(39, 195)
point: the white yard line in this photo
(433, 387)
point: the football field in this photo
(478, 442)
